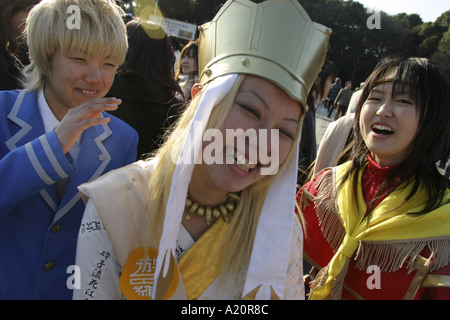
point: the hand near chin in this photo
(82, 117)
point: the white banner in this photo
(176, 28)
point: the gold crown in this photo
(274, 39)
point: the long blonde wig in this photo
(238, 242)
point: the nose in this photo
(269, 151)
(257, 143)
(386, 108)
(268, 140)
(93, 74)
(269, 136)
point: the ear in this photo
(196, 88)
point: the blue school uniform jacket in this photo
(38, 233)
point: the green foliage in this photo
(354, 48)
(441, 57)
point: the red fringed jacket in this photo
(371, 284)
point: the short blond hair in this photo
(101, 30)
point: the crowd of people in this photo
(166, 172)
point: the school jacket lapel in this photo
(31, 127)
(29, 121)
(91, 163)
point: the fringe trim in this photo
(318, 281)
(336, 286)
(338, 283)
(326, 209)
(391, 255)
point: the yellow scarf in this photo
(387, 238)
(199, 265)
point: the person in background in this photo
(334, 143)
(222, 228)
(55, 136)
(386, 210)
(13, 14)
(308, 144)
(187, 72)
(354, 99)
(146, 85)
(343, 99)
(335, 88)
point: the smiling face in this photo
(388, 124)
(189, 62)
(262, 107)
(75, 78)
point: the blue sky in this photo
(429, 10)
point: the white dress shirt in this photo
(50, 123)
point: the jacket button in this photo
(56, 228)
(49, 265)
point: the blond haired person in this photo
(56, 136)
(180, 226)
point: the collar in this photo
(376, 172)
(49, 119)
(50, 122)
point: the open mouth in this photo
(240, 160)
(89, 92)
(381, 129)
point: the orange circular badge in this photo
(137, 278)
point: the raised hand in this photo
(82, 117)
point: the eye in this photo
(251, 111)
(78, 59)
(373, 98)
(287, 134)
(404, 102)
